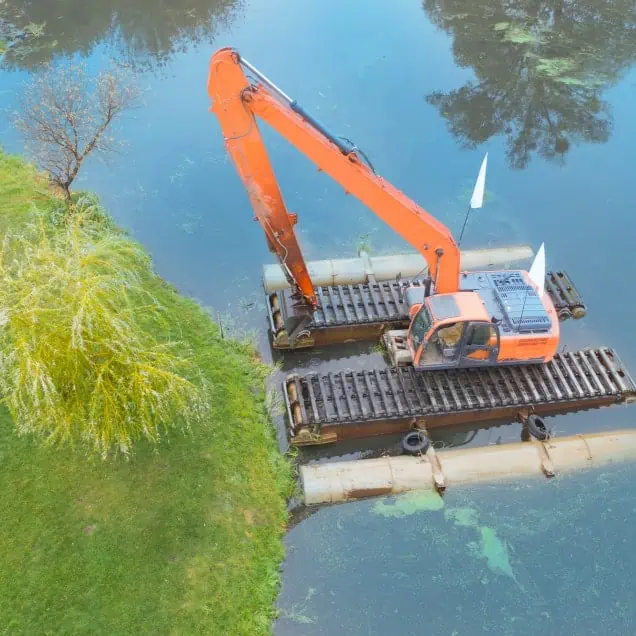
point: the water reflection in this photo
(540, 68)
(146, 32)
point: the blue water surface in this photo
(533, 557)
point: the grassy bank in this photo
(186, 540)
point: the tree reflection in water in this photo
(541, 67)
(148, 32)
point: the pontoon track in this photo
(347, 404)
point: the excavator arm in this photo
(237, 99)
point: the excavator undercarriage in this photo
(324, 407)
(327, 407)
(344, 404)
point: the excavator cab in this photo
(495, 318)
(452, 331)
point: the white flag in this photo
(477, 199)
(537, 270)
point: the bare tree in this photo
(65, 115)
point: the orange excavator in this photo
(458, 319)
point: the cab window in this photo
(480, 335)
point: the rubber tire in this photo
(580, 311)
(414, 443)
(537, 428)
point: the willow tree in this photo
(85, 353)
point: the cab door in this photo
(481, 345)
(442, 348)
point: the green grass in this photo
(182, 539)
(20, 187)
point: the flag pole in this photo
(461, 234)
(477, 199)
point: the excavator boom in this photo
(237, 99)
(228, 88)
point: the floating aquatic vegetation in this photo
(363, 244)
(409, 503)
(467, 191)
(18, 43)
(456, 16)
(490, 547)
(494, 551)
(570, 81)
(296, 612)
(590, 80)
(34, 29)
(565, 70)
(466, 517)
(517, 34)
(556, 66)
(23, 50)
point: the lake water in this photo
(549, 90)
(535, 557)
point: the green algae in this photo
(565, 70)
(466, 517)
(570, 81)
(467, 190)
(409, 503)
(457, 16)
(490, 547)
(519, 35)
(494, 551)
(591, 81)
(555, 67)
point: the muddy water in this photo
(424, 89)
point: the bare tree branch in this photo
(64, 115)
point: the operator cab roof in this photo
(464, 305)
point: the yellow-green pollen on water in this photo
(409, 503)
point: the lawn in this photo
(20, 187)
(182, 539)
